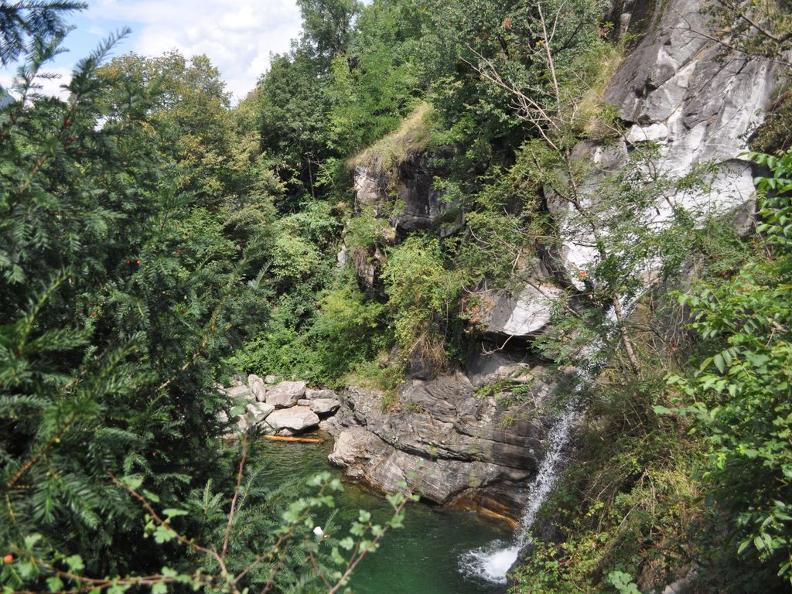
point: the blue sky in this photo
(238, 36)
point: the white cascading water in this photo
(492, 562)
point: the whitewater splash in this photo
(492, 562)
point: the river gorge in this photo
(427, 555)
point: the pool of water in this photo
(427, 556)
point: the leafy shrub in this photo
(741, 395)
(422, 298)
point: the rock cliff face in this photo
(448, 443)
(407, 197)
(677, 89)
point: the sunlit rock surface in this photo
(678, 89)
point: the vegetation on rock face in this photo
(154, 239)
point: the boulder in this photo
(270, 379)
(324, 406)
(445, 441)
(294, 419)
(355, 448)
(522, 314)
(239, 392)
(330, 425)
(257, 387)
(285, 394)
(366, 457)
(313, 393)
(239, 425)
(259, 411)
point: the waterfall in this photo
(492, 561)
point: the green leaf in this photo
(55, 584)
(174, 513)
(133, 481)
(75, 563)
(26, 569)
(151, 496)
(163, 534)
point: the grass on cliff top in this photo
(411, 137)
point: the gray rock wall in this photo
(448, 443)
(700, 104)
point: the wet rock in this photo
(285, 394)
(295, 419)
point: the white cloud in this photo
(238, 36)
(50, 85)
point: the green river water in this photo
(421, 558)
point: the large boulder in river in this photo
(295, 419)
(286, 394)
(445, 441)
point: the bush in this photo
(422, 299)
(741, 395)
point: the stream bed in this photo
(427, 556)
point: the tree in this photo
(36, 20)
(741, 394)
(327, 26)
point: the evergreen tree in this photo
(22, 23)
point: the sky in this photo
(239, 36)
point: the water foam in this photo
(490, 562)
